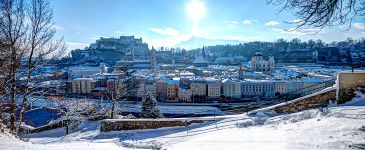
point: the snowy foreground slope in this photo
(340, 127)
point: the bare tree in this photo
(13, 35)
(42, 47)
(322, 13)
(26, 33)
(73, 112)
(124, 88)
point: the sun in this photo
(195, 9)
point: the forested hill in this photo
(281, 48)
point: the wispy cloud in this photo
(249, 22)
(271, 23)
(58, 27)
(294, 31)
(169, 41)
(232, 22)
(166, 31)
(99, 36)
(360, 26)
(118, 32)
(75, 45)
(230, 37)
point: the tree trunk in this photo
(26, 92)
(113, 108)
(13, 91)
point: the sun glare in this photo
(195, 9)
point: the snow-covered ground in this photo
(338, 127)
(341, 128)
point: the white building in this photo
(258, 88)
(85, 72)
(258, 63)
(184, 94)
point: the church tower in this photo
(271, 63)
(240, 72)
(204, 54)
(129, 56)
(153, 60)
(186, 58)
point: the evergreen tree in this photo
(149, 107)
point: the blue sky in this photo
(167, 22)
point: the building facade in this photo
(259, 64)
(213, 89)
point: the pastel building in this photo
(213, 89)
(172, 90)
(280, 87)
(82, 85)
(161, 89)
(229, 88)
(198, 90)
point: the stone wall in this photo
(320, 100)
(134, 124)
(56, 125)
(348, 83)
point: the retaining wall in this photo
(349, 82)
(134, 124)
(310, 102)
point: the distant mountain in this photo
(198, 42)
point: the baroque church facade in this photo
(259, 64)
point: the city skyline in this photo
(168, 23)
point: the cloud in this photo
(248, 22)
(230, 37)
(295, 31)
(169, 41)
(296, 21)
(232, 22)
(166, 31)
(75, 45)
(118, 32)
(235, 22)
(99, 36)
(271, 23)
(360, 26)
(58, 27)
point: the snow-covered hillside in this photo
(338, 127)
(341, 128)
